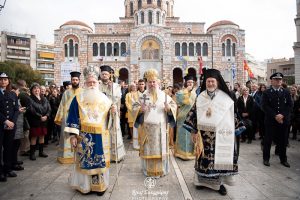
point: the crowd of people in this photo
(94, 120)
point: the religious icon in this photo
(208, 112)
(150, 50)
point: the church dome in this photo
(134, 6)
(221, 24)
(77, 24)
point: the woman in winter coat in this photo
(38, 115)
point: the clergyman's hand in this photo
(167, 107)
(73, 141)
(195, 137)
(113, 109)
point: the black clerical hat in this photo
(189, 77)
(106, 68)
(75, 74)
(66, 83)
(214, 73)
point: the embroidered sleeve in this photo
(73, 123)
(190, 124)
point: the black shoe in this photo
(32, 152)
(267, 163)
(3, 178)
(17, 168)
(43, 155)
(27, 153)
(200, 187)
(11, 174)
(41, 151)
(286, 164)
(129, 137)
(19, 162)
(242, 141)
(222, 190)
(101, 193)
(249, 141)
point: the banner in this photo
(65, 70)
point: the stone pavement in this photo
(46, 179)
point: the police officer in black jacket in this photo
(277, 106)
(9, 110)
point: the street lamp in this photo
(2, 5)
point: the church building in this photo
(151, 36)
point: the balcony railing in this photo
(45, 66)
(18, 54)
(18, 44)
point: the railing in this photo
(18, 54)
(18, 44)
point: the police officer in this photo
(9, 110)
(277, 105)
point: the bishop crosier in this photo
(113, 92)
(87, 123)
(65, 155)
(152, 113)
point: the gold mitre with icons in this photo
(151, 75)
(91, 70)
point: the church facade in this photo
(150, 36)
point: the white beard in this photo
(91, 95)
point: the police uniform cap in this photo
(3, 75)
(276, 75)
(75, 74)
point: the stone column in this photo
(297, 45)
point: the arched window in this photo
(198, 48)
(159, 3)
(76, 50)
(223, 49)
(123, 48)
(142, 18)
(102, 49)
(150, 17)
(177, 49)
(116, 49)
(140, 4)
(184, 49)
(131, 8)
(66, 50)
(95, 49)
(233, 49)
(228, 47)
(108, 49)
(137, 19)
(71, 48)
(158, 17)
(149, 1)
(191, 49)
(168, 9)
(205, 49)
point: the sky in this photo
(268, 24)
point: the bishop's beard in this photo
(92, 95)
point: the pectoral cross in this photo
(144, 98)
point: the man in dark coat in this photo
(277, 105)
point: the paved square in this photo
(47, 179)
